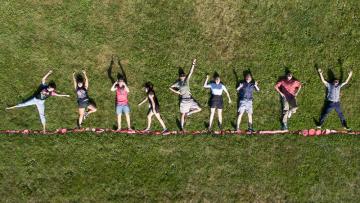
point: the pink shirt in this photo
(121, 96)
(288, 87)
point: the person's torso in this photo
(289, 87)
(156, 101)
(82, 94)
(333, 93)
(43, 93)
(216, 89)
(246, 92)
(184, 89)
(121, 96)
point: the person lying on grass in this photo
(216, 99)
(81, 85)
(45, 91)
(245, 91)
(188, 105)
(333, 99)
(288, 88)
(154, 106)
(122, 102)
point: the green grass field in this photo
(152, 40)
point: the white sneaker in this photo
(289, 114)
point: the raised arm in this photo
(348, 79)
(240, 86)
(192, 69)
(257, 86)
(113, 88)
(322, 77)
(43, 81)
(206, 82)
(141, 103)
(86, 80)
(74, 80)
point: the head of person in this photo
(121, 82)
(51, 87)
(336, 82)
(248, 78)
(148, 87)
(217, 79)
(182, 76)
(289, 76)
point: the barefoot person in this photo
(122, 102)
(188, 105)
(45, 91)
(81, 85)
(154, 106)
(245, 91)
(333, 99)
(288, 88)
(216, 99)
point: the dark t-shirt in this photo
(156, 101)
(43, 92)
(82, 94)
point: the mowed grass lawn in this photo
(152, 40)
(90, 168)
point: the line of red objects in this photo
(310, 132)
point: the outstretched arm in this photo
(192, 69)
(322, 77)
(348, 79)
(257, 86)
(141, 103)
(43, 81)
(206, 82)
(74, 80)
(298, 91)
(86, 80)
(59, 95)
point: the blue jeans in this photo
(40, 105)
(329, 106)
(122, 109)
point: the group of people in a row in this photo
(288, 88)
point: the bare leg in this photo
(250, 124)
(182, 121)
(119, 121)
(212, 114)
(81, 116)
(196, 110)
(239, 121)
(149, 118)
(158, 116)
(127, 115)
(92, 109)
(220, 117)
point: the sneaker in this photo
(220, 126)
(145, 130)
(251, 130)
(165, 131)
(347, 128)
(284, 127)
(289, 114)
(86, 115)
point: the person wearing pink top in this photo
(288, 88)
(122, 102)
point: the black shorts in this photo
(83, 104)
(217, 102)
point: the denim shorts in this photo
(122, 109)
